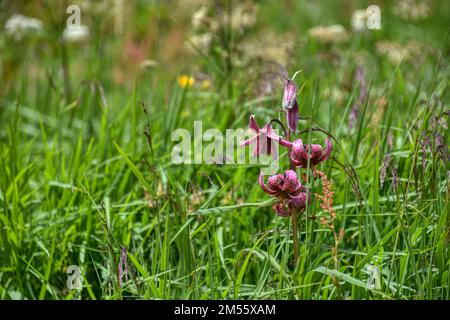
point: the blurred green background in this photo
(86, 118)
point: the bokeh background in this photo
(85, 124)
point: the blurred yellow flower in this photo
(185, 81)
(205, 84)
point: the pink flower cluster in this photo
(292, 196)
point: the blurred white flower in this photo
(148, 64)
(412, 51)
(328, 34)
(200, 18)
(412, 10)
(267, 46)
(243, 15)
(199, 42)
(359, 20)
(393, 51)
(76, 33)
(19, 25)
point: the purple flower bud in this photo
(300, 154)
(290, 94)
(292, 117)
(290, 104)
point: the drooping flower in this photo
(264, 139)
(290, 104)
(300, 154)
(292, 195)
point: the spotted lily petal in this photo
(328, 149)
(291, 183)
(265, 188)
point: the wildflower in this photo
(148, 63)
(359, 20)
(290, 104)
(394, 51)
(204, 80)
(200, 42)
(290, 93)
(412, 10)
(185, 81)
(326, 198)
(19, 25)
(266, 46)
(329, 34)
(292, 196)
(243, 16)
(300, 154)
(263, 139)
(76, 33)
(199, 18)
(205, 84)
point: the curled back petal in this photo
(265, 188)
(285, 143)
(281, 210)
(268, 130)
(327, 152)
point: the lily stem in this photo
(294, 214)
(295, 237)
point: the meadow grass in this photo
(86, 172)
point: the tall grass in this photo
(79, 180)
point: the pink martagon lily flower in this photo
(292, 196)
(290, 104)
(264, 139)
(300, 153)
